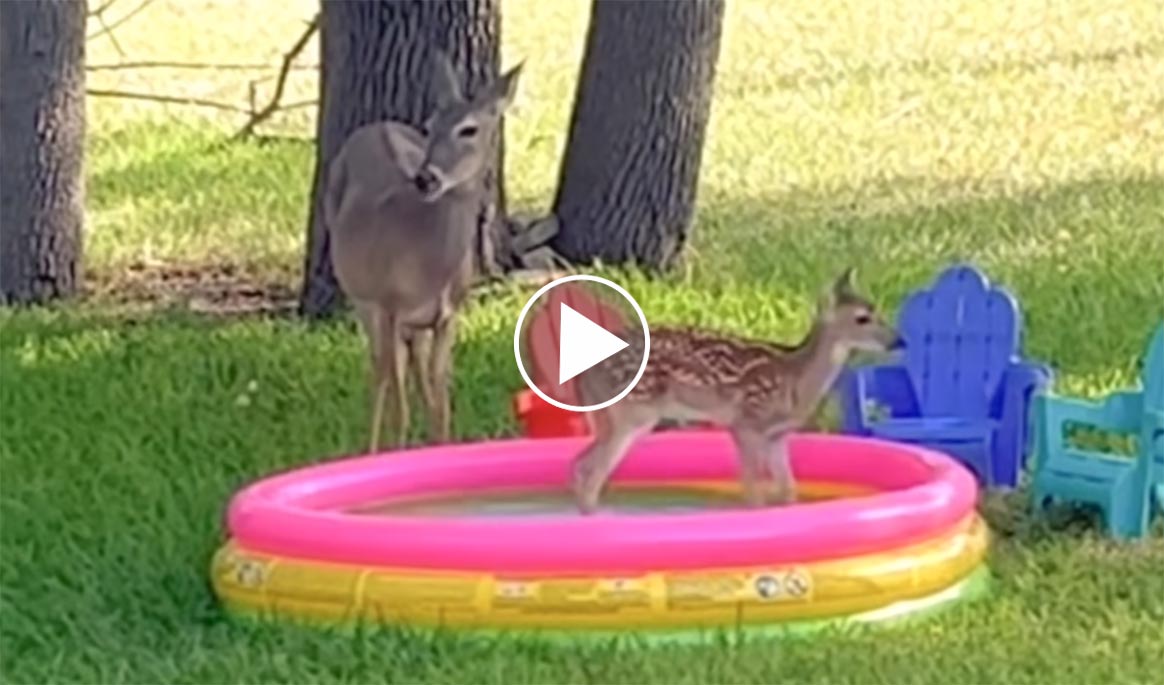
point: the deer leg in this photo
(420, 352)
(367, 317)
(391, 368)
(780, 471)
(751, 450)
(441, 375)
(613, 437)
(379, 390)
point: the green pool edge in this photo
(973, 586)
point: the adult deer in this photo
(401, 207)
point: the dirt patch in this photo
(228, 289)
(217, 289)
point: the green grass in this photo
(896, 137)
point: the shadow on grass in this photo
(131, 439)
(123, 444)
(124, 439)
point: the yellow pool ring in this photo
(253, 583)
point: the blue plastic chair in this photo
(1126, 490)
(961, 387)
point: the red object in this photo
(540, 419)
(543, 338)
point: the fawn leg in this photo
(392, 366)
(441, 374)
(751, 449)
(780, 471)
(613, 437)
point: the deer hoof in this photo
(786, 496)
(754, 501)
(586, 505)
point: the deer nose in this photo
(426, 181)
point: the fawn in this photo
(401, 206)
(760, 391)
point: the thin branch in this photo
(281, 83)
(152, 64)
(267, 139)
(108, 28)
(101, 8)
(173, 99)
(299, 105)
(112, 36)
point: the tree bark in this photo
(42, 135)
(376, 65)
(628, 182)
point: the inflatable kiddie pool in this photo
(483, 536)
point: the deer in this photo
(401, 206)
(760, 391)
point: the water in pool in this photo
(621, 500)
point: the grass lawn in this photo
(895, 136)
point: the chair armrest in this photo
(1012, 409)
(1020, 383)
(886, 384)
(1119, 412)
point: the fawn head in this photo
(852, 320)
(455, 142)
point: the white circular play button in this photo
(569, 327)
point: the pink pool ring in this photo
(908, 539)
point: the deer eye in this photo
(864, 319)
(424, 130)
(467, 132)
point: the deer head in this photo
(455, 143)
(851, 320)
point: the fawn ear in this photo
(446, 85)
(407, 145)
(499, 94)
(844, 285)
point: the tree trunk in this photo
(376, 65)
(42, 136)
(628, 181)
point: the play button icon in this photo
(583, 344)
(569, 327)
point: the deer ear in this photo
(844, 284)
(446, 85)
(500, 93)
(407, 145)
(825, 303)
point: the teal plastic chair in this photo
(1127, 491)
(1156, 422)
(1153, 429)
